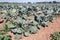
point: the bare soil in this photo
(43, 33)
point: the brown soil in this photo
(1, 25)
(43, 33)
(1, 19)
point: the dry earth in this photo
(43, 33)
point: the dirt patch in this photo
(1, 25)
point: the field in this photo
(43, 33)
(22, 21)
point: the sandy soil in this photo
(43, 33)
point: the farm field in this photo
(29, 21)
(44, 33)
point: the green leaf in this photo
(5, 37)
(18, 37)
(26, 34)
(39, 26)
(33, 29)
(10, 26)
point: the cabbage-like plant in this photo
(5, 37)
(56, 36)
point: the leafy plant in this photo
(5, 37)
(56, 36)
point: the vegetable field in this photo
(25, 19)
